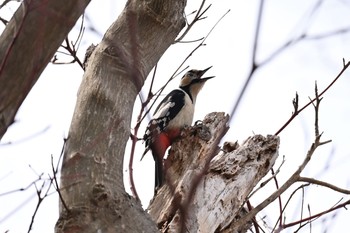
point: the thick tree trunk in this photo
(27, 44)
(92, 190)
(206, 188)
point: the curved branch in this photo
(324, 184)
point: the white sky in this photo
(44, 118)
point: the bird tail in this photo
(144, 153)
(158, 182)
(158, 145)
(158, 152)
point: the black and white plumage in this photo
(174, 112)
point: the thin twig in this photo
(40, 200)
(4, 21)
(345, 67)
(26, 138)
(56, 186)
(293, 178)
(197, 17)
(288, 201)
(134, 138)
(342, 205)
(72, 48)
(22, 189)
(279, 198)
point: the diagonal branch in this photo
(295, 176)
(342, 205)
(56, 18)
(295, 113)
(324, 184)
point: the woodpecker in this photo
(173, 113)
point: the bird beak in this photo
(200, 74)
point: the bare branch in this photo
(22, 189)
(4, 3)
(56, 186)
(292, 41)
(197, 17)
(40, 200)
(324, 184)
(285, 206)
(345, 67)
(328, 34)
(254, 65)
(294, 177)
(4, 21)
(279, 198)
(44, 41)
(72, 48)
(27, 138)
(342, 205)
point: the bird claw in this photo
(185, 130)
(198, 122)
(202, 131)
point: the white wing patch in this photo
(163, 110)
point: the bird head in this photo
(193, 81)
(194, 77)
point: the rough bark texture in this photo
(209, 192)
(27, 44)
(91, 179)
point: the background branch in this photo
(324, 184)
(17, 78)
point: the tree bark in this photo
(206, 188)
(27, 44)
(92, 189)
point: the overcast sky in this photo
(44, 118)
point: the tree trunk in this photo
(27, 44)
(206, 188)
(92, 189)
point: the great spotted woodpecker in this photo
(170, 117)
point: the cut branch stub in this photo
(208, 192)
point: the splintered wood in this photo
(206, 187)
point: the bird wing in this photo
(175, 96)
(165, 111)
